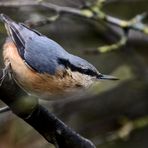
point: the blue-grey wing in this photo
(45, 55)
(39, 52)
(42, 54)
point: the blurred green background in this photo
(115, 114)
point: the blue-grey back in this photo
(43, 54)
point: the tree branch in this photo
(57, 8)
(91, 12)
(55, 131)
(47, 124)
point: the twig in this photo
(47, 20)
(58, 9)
(135, 23)
(55, 131)
(114, 46)
(91, 12)
(128, 126)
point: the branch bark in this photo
(91, 12)
(47, 124)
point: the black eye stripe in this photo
(67, 64)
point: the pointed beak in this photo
(107, 77)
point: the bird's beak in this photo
(107, 77)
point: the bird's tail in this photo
(14, 31)
(11, 27)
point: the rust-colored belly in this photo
(41, 84)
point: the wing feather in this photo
(43, 54)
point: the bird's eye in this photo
(89, 72)
(85, 70)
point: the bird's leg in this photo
(5, 72)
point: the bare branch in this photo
(91, 12)
(58, 9)
(47, 124)
(114, 46)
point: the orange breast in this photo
(42, 84)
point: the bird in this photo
(42, 67)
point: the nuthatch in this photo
(41, 66)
